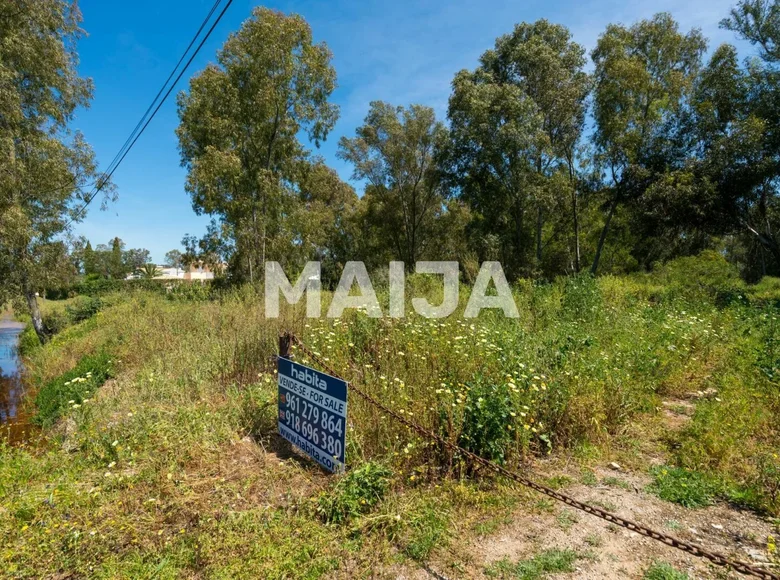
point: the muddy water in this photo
(14, 420)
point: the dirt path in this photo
(605, 550)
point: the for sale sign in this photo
(313, 412)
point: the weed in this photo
(487, 420)
(73, 387)
(558, 481)
(687, 488)
(355, 493)
(664, 571)
(566, 519)
(427, 530)
(613, 481)
(605, 504)
(593, 540)
(588, 477)
(673, 525)
(546, 562)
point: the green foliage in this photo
(55, 322)
(766, 290)
(239, 129)
(707, 276)
(103, 286)
(72, 387)
(664, 571)
(355, 493)
(547, 562)
(406, 196)
(28, 341)
(149, 271)
(426, 530)
(487, 420)
(83, 308)
(687, 488)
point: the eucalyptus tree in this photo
(644, 75)
(239, 128)
(757, 21)
(395, 152)
(174, 259)
(323, 223)
(738, 123)
(543, 61)
(45, 166)
(495, 131)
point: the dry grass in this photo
(174, 467)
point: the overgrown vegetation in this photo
(160, 472)
(72, 389)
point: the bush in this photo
(55, 322)
(355, 493)
(83, 308)
(707, 276)
(28, 341)
(487, 428)
(72, 387)
(766, 290)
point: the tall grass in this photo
(159, 448)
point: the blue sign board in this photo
(313, 412)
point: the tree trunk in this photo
(767, 240)
(575, 215)
(604, 233)
(35, 313)
(539, 223)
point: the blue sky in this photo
(402, 52)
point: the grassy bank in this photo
(156, 472)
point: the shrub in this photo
(83, 308)
(28, 341)
(487, 428)
(72, 387)
(707, 276)
(55, 322)
(766, 290)
(355, 493)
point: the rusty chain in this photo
(690, 548)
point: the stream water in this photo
(14, 420)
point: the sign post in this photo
(312, 411)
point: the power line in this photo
(162, 88)
(72, 181)
(136, 134)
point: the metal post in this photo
(284, 345)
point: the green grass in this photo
(355, 493)
(687, 488)
(547, 562)
(664, 571)
(184, 437)
(72, 388)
